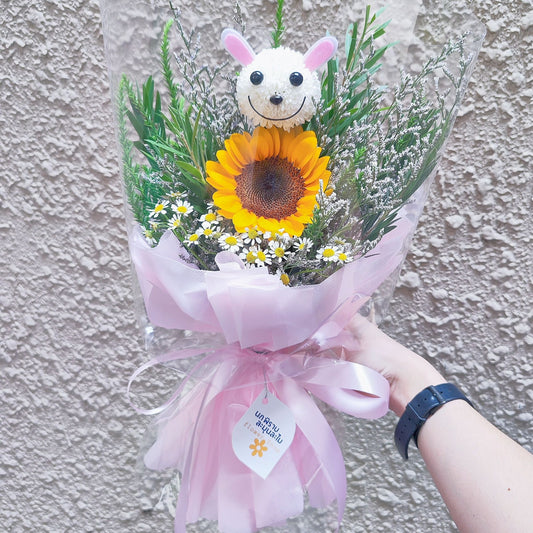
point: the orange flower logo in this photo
(258, 447)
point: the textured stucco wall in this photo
(68, 341)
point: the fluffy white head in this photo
(277, 89)
(279, 86)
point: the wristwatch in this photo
(419, 409)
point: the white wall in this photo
(68, 341)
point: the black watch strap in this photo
(419, 409)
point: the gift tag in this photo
(263, 434)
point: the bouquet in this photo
(267, 206)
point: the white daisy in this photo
(230, 242)
(283, 276)
(303, 244)
(182, 207)
(192, 238)
(252, 236)
(174, 222)
(249, 256)
(206, 229)
(262, 258)
(149, 236)
(282, 236)
(176, 194)
(211, 217)
(344, 255)
(159, 209)
(278, 250)
(328, 253)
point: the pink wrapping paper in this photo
(195, 436)
(250, 306)
(277, 337)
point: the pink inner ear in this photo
(321, 52)
(237, 46)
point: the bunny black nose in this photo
(276, 99)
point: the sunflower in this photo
(268, 180)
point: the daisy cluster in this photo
(204, 235)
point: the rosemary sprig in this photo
(279, 30)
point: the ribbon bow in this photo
(196, 423)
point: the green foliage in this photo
(165, 65)
(176, 144)
(146, 118)
(383, 144)
(381, 153)
(353, 99)
(142, 193)
(279, 30)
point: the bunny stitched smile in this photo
(277, 119)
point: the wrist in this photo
(416, 374)
(424, 405)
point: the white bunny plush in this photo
(279, 86)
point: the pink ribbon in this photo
(195, 434)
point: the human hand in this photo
(406, 372)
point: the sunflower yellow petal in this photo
(234, 152)
(220, 181)
(303, 149)
(306, 206)
(268, 224)
(293, 226)
(269, 145)
(312, 189)
(285, 138)
(261, 144)
(294, 142)
(241, 147)
(225, 214)
(227, 201)
(297, 130)
(307, 202)
(228, 163)
(253, 145)
(319, 172)
(310, 163)
(276, 140)
(244, 219)
(215, 166)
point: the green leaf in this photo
(350, 44)
(377, 56)
(190, 169)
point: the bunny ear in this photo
(237, 46)
(321, 52)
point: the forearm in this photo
(485, 478)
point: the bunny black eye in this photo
(296, 79)
(256, 77)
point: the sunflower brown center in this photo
(270, 188)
